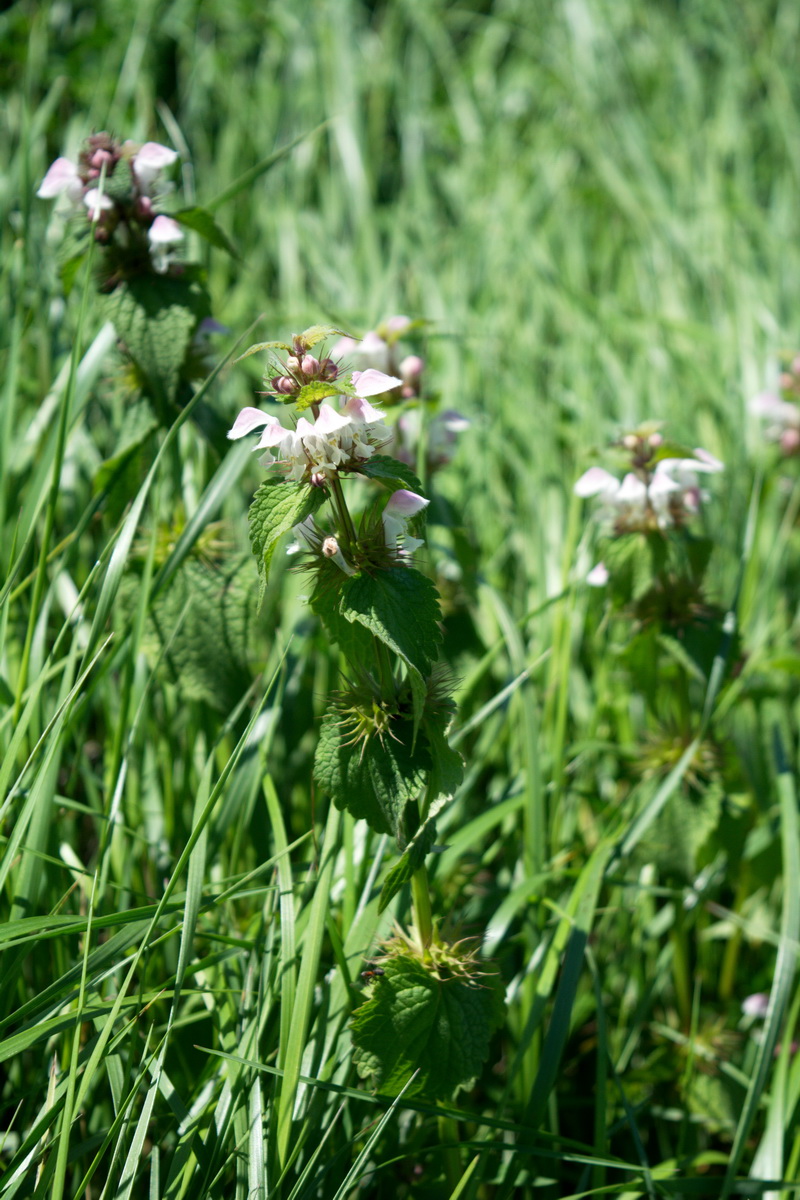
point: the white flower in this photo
(97, 203)
(670, 496)
(148, 164)
(784, 417)
(163, 235)
(755, 1005)
(62, 178)
(337, 440)
(598, 576)
(401, 507)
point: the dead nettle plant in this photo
(383, 753)
(120, 210)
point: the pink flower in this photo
(148, 164)
(401, 507)
(97, 203)
(336, 441)
(62, 178)
(163, 235)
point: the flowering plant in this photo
(383, 754)
(645, 517)
(159, 306)
(780, 407)
(418, 424)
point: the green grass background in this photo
(595, 207)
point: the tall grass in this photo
(595, 207)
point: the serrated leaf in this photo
(202, 222)
(682, 828)
(277, 507)
(314, 393)
(119, 185)
(671, 450)
(374, 778)
(634, 561)
(417, 1020)
(413, 856)
(448, 765)
(400, 606)
(317, 333)
(206, 619)
(391, 473)
(155, 317)
(355, 642)
(259, 346)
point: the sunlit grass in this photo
(595, 208)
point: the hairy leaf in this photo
(313, 393)
(372, 777)
(155, 317)
(202, 222)
(391, 473)
(413, 856)
(277, 507)
(400, 606)
(317, 333)
(435, 1022)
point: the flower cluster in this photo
(781, 408)
(119, 186)
(338, 440)
(378, 349)
(662, 491)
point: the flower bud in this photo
(293, 363)
(411, 368)
(630, 441)
(284, 385)
(330, 548)
(318, 480)
(655, 440)
(328, 369)
(309, 365)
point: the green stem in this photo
(448, 1135)
(421, 901)
(347, 530)
(680, 966)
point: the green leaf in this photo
(259, 346)
(155, 316)
(68, 270)
(426, 1019)
(119, 185)
(122, 473)
(317, 333)
(206, 619)
(313, 393)
(393, 474)
(682, 828)
(400, 606)
(372, 777)
(448, 766)
(413, 856)
(202, 222)
(277, 507)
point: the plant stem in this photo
(347, 530)
(421, 900)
